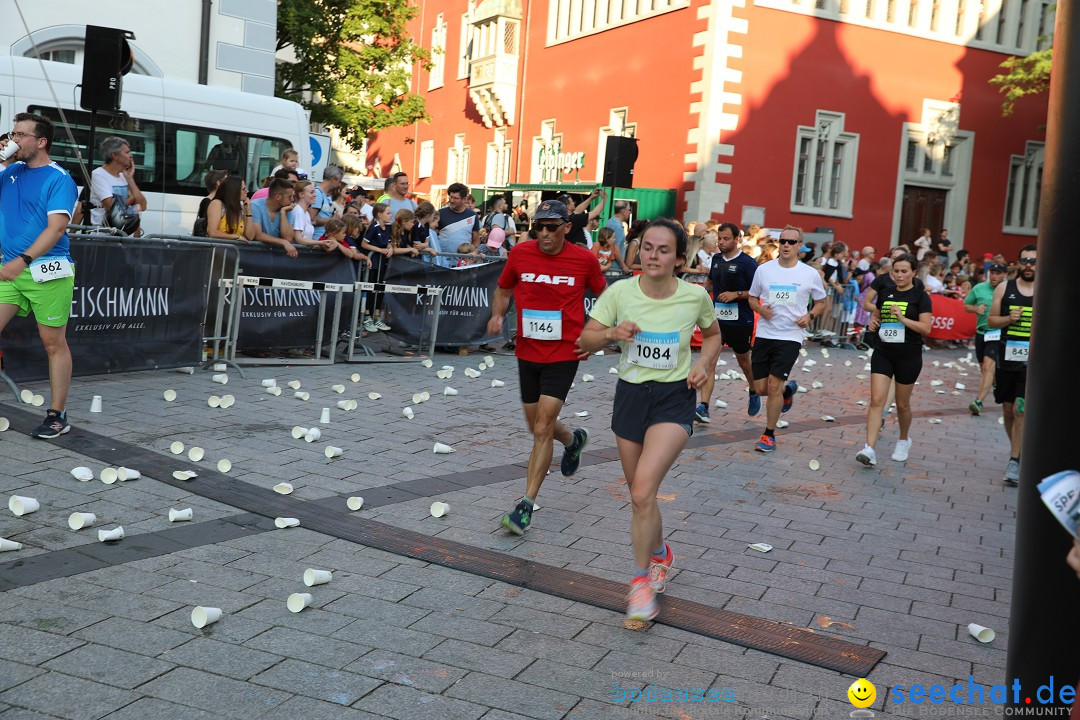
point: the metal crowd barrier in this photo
(225, 265)
(236, 308)
(836, 326)
(360, 305)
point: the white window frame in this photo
(464, 57)
(825, 137)
(548, 137)
(457, 161)
(573, 19)
(617, 125)
(438, 54)
(426, 160)
(499, 151)
(1022, 190)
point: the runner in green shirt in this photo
(987, 339)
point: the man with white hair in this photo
(869, 255)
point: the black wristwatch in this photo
(26, 259)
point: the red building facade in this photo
(872, 118)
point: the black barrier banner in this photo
(281, 317)
(137, 305)
(466, 301)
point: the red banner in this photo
(951, 322)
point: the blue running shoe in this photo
(753, 406)
(765, 444)
(790, 388)
(518, 520)
(572, 454)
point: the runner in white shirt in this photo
(780, 294)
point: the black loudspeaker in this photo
(619, 159)
(106, 59)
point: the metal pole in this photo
(1044, 623)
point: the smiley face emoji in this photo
(862, 693)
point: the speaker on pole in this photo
(106, 59)
(619, 159)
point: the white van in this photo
(172, 128)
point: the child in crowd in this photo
(336, 240)
(606, 251)
(403, 233)
(467, 248)
(377, 243)
(494, 246)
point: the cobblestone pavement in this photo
(901, 556)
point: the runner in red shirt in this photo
(549, 278)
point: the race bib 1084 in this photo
(659, 351)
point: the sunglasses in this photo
(549, 227)
(1026, 261)
(788, 241)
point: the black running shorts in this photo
(639, 406)
(737, 337)
(774, 357)
(903, 366)
(551, 379)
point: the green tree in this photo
(354, 63)
(1023, 76)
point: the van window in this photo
(195, 150)
(143, 136)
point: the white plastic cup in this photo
(442, 449)
(313, 577)
(80, 520)
(213, 401)
(471, 373)
(26, 395)
(186, 370)
(373, 396)
(125, 474)
(332, 452)
(425, 396)
(313, 434)
(109, 475)
(95, 404)
(980, 633)
(179, 515)
(221, 378)
(203, 616)
(196, 454)
(301, 395)
(449, 391)
(169, 395)
(355, 377)
(4, 424)
(117, 533)
(227, 401)
(220, 367)
(22, 505)
(489, 361)
(283, 522)
(324, 418)
(298, 432)
(298, 601)
(224, 465)
(176, 448)
(438, 509)
(417, 398)
(283, 488)
(353, 405)
(9, 150)
(497, 383)
(184, 474)
(82, 474)
(408, 412)
(269, 382)
(275, 391)
(343, 404)
(426, 363)
(294, 384)
(587, 377)
(355, 502)
(338, 388)
(9, 545)
(37, 400)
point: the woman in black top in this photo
(902, 315)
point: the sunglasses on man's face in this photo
(788, 241)
(549, 227)
(1027, 261)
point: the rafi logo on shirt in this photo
(548, 279)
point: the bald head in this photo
(868, 251)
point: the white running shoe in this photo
(902, 448)
(380, 325)
(867, 456)
(369, 325)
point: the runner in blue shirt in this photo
(37, 198)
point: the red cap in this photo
(987, 256)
